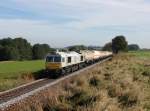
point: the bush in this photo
(47, 108)
(95, 81)
(114, 90)
(108, 76)
(130, 98)
(146, 73)
(81, 98)
(127, 100)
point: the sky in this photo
(61, 23)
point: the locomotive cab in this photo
(53, 62)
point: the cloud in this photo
(38, 32)
(82, 14)
(74, 20)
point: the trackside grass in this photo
(11, 72)
(121, 84)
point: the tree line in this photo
(21, 49)
(119, 44)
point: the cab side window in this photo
(69, 60)
(81, 58)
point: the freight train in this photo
(61, 63)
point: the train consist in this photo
(60, 63)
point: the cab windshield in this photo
(53, 59)
(57, 59)
(49, 59)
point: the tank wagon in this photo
(60, 63)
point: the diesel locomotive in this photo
(61, 63)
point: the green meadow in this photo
(141, 54)
(11, 72)
(13, 69)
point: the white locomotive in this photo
(60, 63)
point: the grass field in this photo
(13, 69)
(11, 72)
(141, 54)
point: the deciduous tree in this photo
(119, 43)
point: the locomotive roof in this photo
(70, 53)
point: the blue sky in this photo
(67, 22)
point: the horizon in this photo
(101, 46)
(65, 23)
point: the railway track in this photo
(6, 96)
(15, 95)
